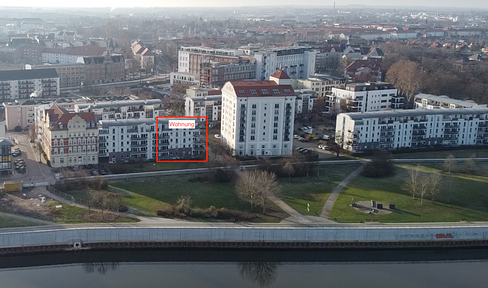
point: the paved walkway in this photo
(335, 193)
(295, 216)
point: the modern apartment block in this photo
(135, 140)
(428, 101)
(126, 109)
(416, 128)
(296, 62)
(321, 84)
(24, 84)
(191, 58)
(306, 100)
(258, 116)
(68, 138)
(365, 97)
(210, 106)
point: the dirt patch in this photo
(365, 207)
(28, 202)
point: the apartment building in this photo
(125, 109)
(428, 101)
(305, 101)
(258, 116)
(103, 69)
(24, 84)
(209, 106)
(364, 97)
(135, 140)
(416, 128)
(215, 74)
(321, 84)
(69, 138)
(191, 58)
(70, 55)
(143, 54)
(297, 62)
(70, 75)
(184, 78)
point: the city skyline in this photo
(221, 3)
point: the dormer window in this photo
(264, 91)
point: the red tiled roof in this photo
(59, 116)
(372, 63)
(260, 89)
(214, 92)
(280, 74)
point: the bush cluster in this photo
(209, 213)
(97, 183)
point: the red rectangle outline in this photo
(173, 117)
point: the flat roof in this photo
(125, 122)
(447, 99)
(206, 98)
(415, 112)
(13, 75)
(123, 103)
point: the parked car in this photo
(304, 151)
(103, 172)
(320, 146)
(325, 137)
(18, 160)
(94, 172)
(296, 137)
(303, 140)
(218, 136)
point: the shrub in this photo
(123, 208)
(379, 166)
(223, 176)
(18, 129)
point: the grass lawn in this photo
(73, 215)
(140, 204)
(158, 166)
(462, 153)
(166, 191)
(462, 198)
(9, 222)
(313, 190)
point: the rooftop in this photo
(446, 99)
(124, 103)
(13, 75)
(415, 112)
(258, 89)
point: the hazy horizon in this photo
(222, 3)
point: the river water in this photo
(236, 269)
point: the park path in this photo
(335, 193)
(295, 216)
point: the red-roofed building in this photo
(364, 70)
(69, 138)
(143, 55)
(257, 116)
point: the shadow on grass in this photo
(403, 212)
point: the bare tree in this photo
(288, 169)
(257, 187)
(411, 185)
(470, 164)
(434, 183)
(450, 163)
(262, 274)
(423, 188)
(407, 77)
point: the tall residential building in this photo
(306, 100)
(365, 97)
(68, 138)
(297, 62)
(428, 101)
(125, 109)
(191, 58)
(214, 74)
(415, 128)
(258, 116)
(210, 106)
(24, 84)
(135, 140)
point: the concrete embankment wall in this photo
(70, 236)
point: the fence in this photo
(63, 195)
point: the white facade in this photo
(25, 84)
(428, 101)
(58, 58)
(184, 61)
(126, 109)
(412, 129)
(322, 87)
(183, 77)
(255, 124)
(365, 97)
(135, 140)
(296, 62)
(305, 101)
(210, 106)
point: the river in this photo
(236, 269)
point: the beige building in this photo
(70, 75)
(103, 69)
(69, 139)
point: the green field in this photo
(463, 197)
(315, 189)
(161, 192)
(462, 153)
(7, 221)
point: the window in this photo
(253, 91)
(276, 91)
(241, 91)
(287, 90)
(264, 91)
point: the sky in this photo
(202, 3)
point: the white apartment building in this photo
(190, 58)
(305, 101)
(258, 116)
(183, 78)
(321, 84)
(365, 97)
(416, 128)
(428, 101)
(297, 62)
(126, 109)
(210, 106)
(24, 84)
(135, 140)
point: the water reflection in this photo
(263, 274)
(101, 267)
